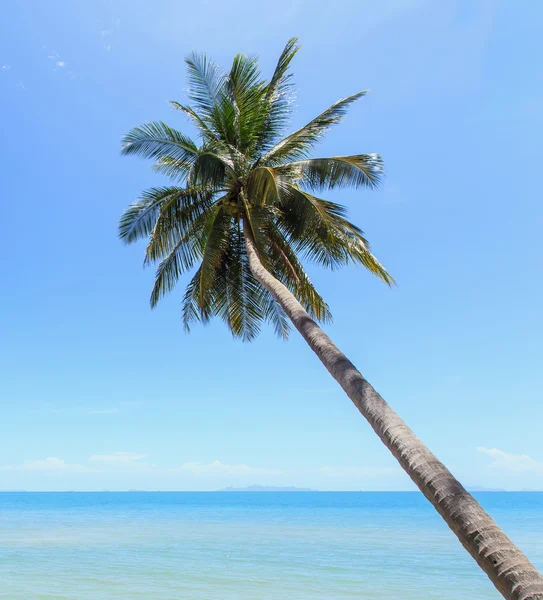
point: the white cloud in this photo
(55, 57)
(5, 68)
(107, 33)
(218, 468)
(133, 469)
(118, 458)
(104, 411)
(516, 463)
(51, 464)
(22, 86)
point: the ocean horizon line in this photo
(251, 491)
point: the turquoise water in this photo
(226, 546)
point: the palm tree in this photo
(241, 212)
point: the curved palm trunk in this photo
(506, 566)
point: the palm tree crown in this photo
(244, 170)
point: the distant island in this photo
(265, 488)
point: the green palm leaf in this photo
(299, 143)
(245, 311)
(215, 242)
(246, 90)
(138, 219)
(157, 140)
(274, 314)
(276, 105)
(287, 267)
(181, 216)
(320, 232)
(206, 83)
(191, 311)
(264, 185)
(182, 258)
(280, 77)
(205, 131)
(362, 170)
(207, 89)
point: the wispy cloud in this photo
(5, 68)
(97, 463)
(51, 464)
(218, 468)
(55, 57)
(106, 33)
(136, 464)
(22, 86)
(58, 62)
(117, 458)
(514, 463)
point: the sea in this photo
(247, 545)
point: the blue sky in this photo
(100, 392)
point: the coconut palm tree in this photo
(242, 214)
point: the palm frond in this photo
(263, 186)
(274, 314)
(211, 168)
(206, 83)
(246, 90)
(277, 102)
(207, 89)
(289, 270)
(181, 216)
(182, 258)
(359, 253)
(235, 295)
(319, 231)
(205, 131)
(245, 311)
(138, 219)
(191, 311)
(361, 170)
(214, 245)
(299, 143)
(280, 76)
(156, 141)
(254, 219)
(212, 139)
